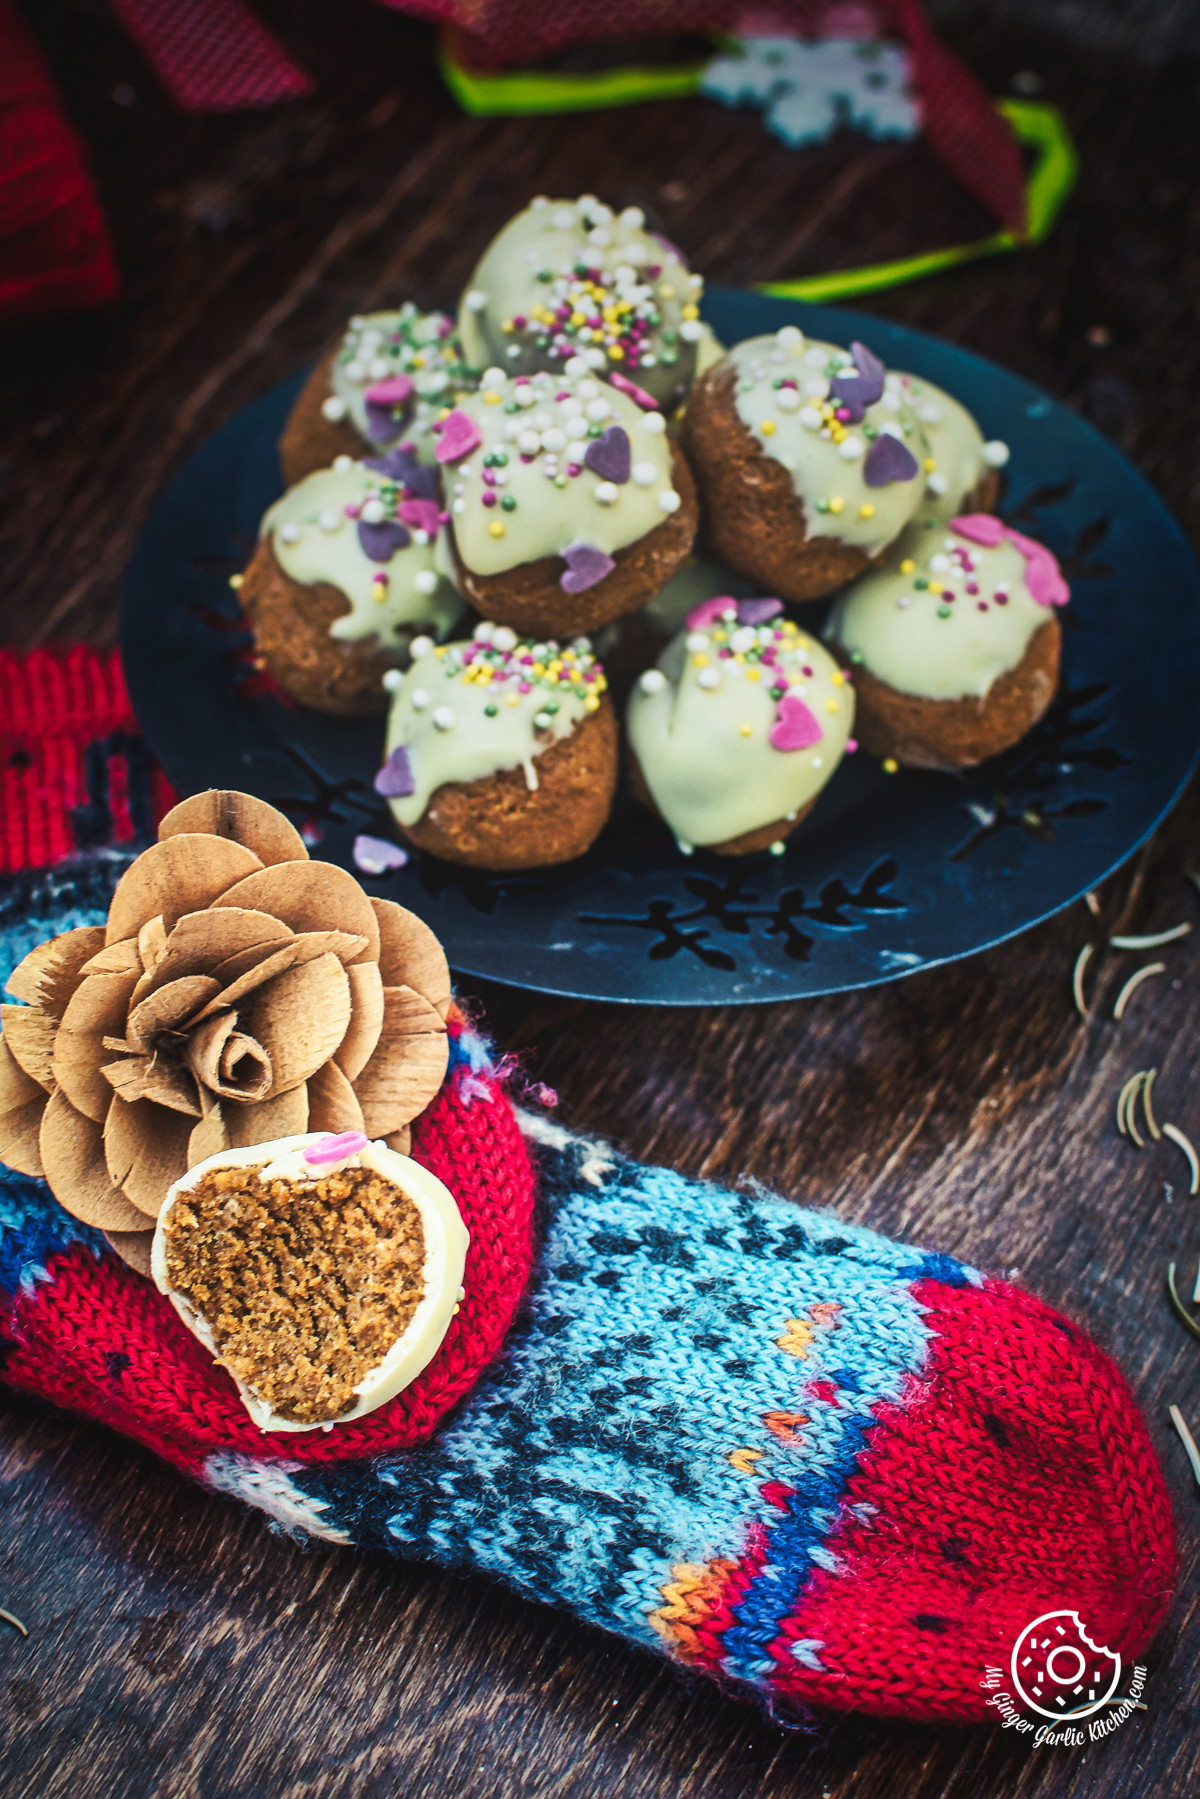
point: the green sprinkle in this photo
(595, 430)
(870, 431)
(545, 274)
(945, 612)
(920, 584)
(499, 459)
(508, 503)
(670, 337)
(551, 707)
(822, 505)
(560, 480)
(510, 405)
(490, 711)
(856, 656)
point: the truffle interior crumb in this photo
(305, 1286)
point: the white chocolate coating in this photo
(633, 308)
(469, 710)
(955, 444)
(314, 539)
(379, 345)
(898, 622)
(781, 391)
(701, 726)
(446, 1241)
(535, 430)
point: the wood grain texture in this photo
(178, 1645)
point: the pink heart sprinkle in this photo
(795, 727)
(1043, 577)
(392, 392)
(422, 515)
(334, 1149)
(979, 527)
(709, 611)
(459, 436)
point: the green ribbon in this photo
(1040, 128)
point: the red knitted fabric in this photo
(74, 771)
(1022, 1410)
(54, 248)
(213, 55)
(171, 1395)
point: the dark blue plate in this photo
(890, 874)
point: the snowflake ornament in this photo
(808, 89)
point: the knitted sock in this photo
(783, 1450)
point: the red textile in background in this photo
(960, 121)
(54, 249)
(214, 55)
(75, 773)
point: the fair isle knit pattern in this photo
(821, 1467)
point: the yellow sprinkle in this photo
(837, 678)
(700, 660)
(597, 336)
(746, 730)
(866, 510)
(512, 699)
(753, 674)
(616, 352)
(591, 704)
(441, 650)
(506, 325)
(667, 290)
(837, 504)
(930, 465)
(890, 765)
(235, 581)
(767, 427)
(490, 398)
(908, 566)
(935, 587)
(689, 311)
(577, 318)
(496, 528)
(418, 362)
(554, 665)
(831, 705)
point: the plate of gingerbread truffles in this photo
(667, 644)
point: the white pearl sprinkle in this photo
(373, 512)
(787, 400)
(816, 387)
(606, 493)
(587, 390)
(377, 368)
(995, 453)
(493, 380)
(525, 396)
(598, 410)
(595, 359)
(541, 721)
(333, 409)
(815, 359)
(443, 718)
(563, 218)
(669, 500)
(633, 218)
(929, 413)
(891, 402)
(575, 365)
(789, 337)
(529, 442)
(330, 521)
(939, 564)
(504, 638)
(691, 331)
(392, 680)
(654, 423)
(458, 508)
(696, 640)
(420, 699)
(652, 681)
(354, 370)
(577, 429)
(817, 762)
(426, 581)
(708, 678)
(644, 474)
(342, 463)
(289, 533)
(810, 418)
(904, 602)
(554, 439)
(420, 647)
(937, 484)
(851, 448)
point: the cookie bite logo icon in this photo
(1059, 1672)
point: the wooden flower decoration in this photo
(238, 993)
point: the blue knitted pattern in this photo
(694, 1374)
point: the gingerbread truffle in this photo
(347, 571)
(570, 277)
(808, 466)
(386, 378)
(736, 731)
(322, 1271)
(501, 751)
(955, 643)
(568, 504)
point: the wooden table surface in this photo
(178, 1646)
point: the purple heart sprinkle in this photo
(380, 542)
(421, 481)
(397, 465)
(610, 456)
(868, 366)
(888, 460)
(585, 566)
(395, 779)
(376, 856)
(758, 612)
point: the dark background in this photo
(178, 1646)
